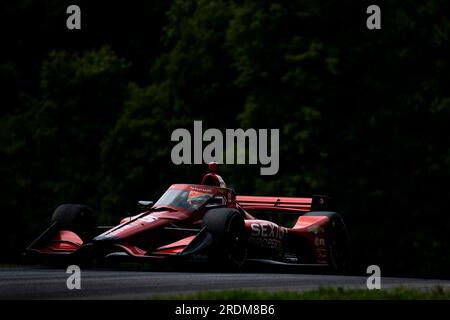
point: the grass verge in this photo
(436, 293)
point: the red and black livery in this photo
(205, 220)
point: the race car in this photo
(206, 220)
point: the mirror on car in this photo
(144, 204)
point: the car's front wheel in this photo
(75, 217)
(227, 227)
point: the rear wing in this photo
(287, 204)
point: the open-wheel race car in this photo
(205, 220)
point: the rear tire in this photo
(227, 227)
(336, 240)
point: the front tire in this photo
(227, 227)
(75, 217)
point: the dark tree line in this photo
(86, 116)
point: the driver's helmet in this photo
(196, 198)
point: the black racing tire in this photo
(337, 241)
(227, 227)
(75, 217)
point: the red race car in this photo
(206, 220)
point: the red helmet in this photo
(212, 178)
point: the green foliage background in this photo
(86, 116)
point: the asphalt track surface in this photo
(44, 283)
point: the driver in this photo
(196, 199)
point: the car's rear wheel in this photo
(230, 244)
(75, 217)
(336, 241)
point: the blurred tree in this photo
(363, 115)
(51, 152)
